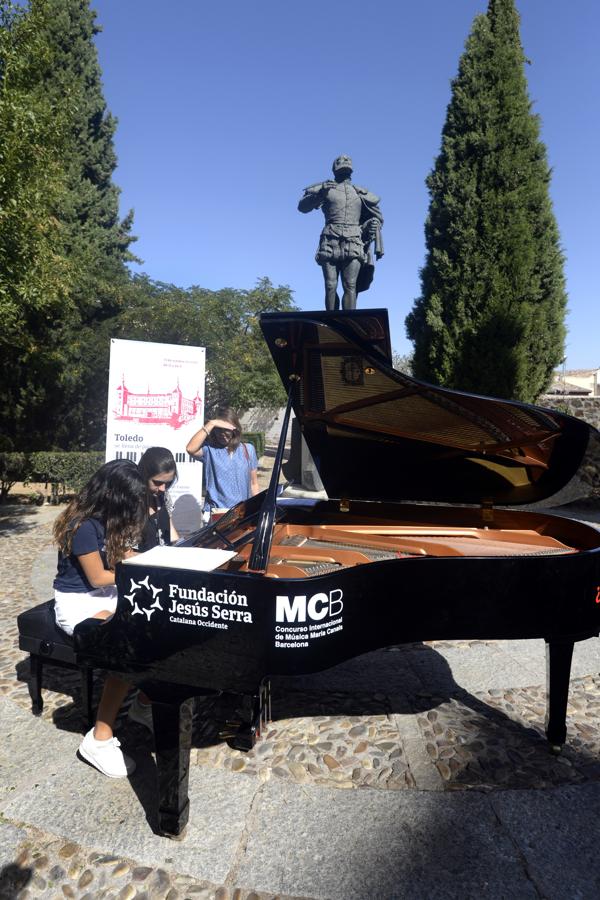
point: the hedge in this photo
(13, 468)
(257, 438)
(64, 470)
(68, 471)
(59, 469)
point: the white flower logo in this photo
(133, 600)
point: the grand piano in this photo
(418, 541)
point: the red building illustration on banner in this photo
(171, 408)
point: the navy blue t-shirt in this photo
(70, 577)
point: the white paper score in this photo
(195, 559)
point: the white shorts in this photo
(71, 609)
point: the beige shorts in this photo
(71, 609)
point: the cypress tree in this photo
(96, 241)
(36, 277)
(93, 233)
(63, 247)
(490, 318)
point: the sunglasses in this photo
(226, 433)
(157, 483)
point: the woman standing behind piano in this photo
(100, 527)
(230, 466)
(158, 469)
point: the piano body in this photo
(411, 545)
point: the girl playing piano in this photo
(98, 529)
(159, 471)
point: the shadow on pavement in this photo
(17, 518)
(473, 743)
(14, 879)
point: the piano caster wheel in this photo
(243, 740)
(175, 837)
(36, 709)
(556, 749)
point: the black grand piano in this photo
(411, 545)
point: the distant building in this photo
(170, 408)
(576, 383)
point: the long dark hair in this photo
(116, 496)
(229, 415)
(156, 461)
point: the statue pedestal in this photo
(300, 469)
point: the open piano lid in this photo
(377, 434)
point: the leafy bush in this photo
(13, 468)
(257, 438)
(64, 470)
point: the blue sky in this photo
(226, 111)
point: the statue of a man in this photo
(352, 221)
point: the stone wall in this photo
(269, 421)
(587, 484)
(586, 408)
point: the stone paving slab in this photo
(114, 816)
(10, 838)
(483, 668)
(586, 658)
(532, 654)
(39, 865)
(12, 876)
(375, 844)
(376, 672)
(445, 667)
(42, 575)
(381, 775)
(30, 750)
(556, 833)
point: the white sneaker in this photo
(106, 756)
(141, 713)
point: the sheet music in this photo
(196, 559)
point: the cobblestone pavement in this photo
(358, 728)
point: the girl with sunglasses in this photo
(159, 471)
(230, 466)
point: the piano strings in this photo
(301, 550)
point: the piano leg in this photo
(259, 713)
(36, 664)
(172, 741)
(558, 671)
(87, 686)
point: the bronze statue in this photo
(352, 221)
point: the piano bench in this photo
(40, 636)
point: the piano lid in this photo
(375, 433)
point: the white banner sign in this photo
(156, 399)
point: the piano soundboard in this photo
(299, 551)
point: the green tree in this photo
(96, 240)
(36, 275)
(402, 362)
(63, 248)
(239, 369)
(490, 317)
(95, 236)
